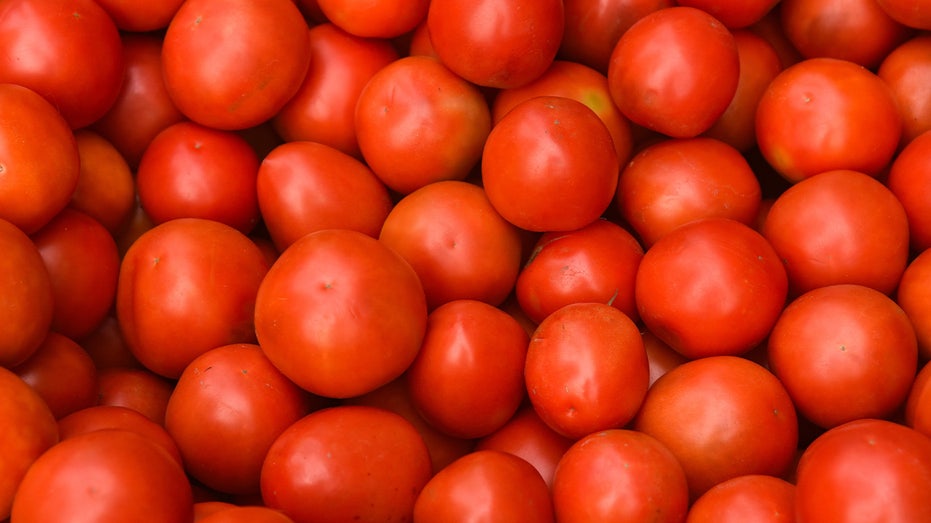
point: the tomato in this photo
(754, 497)
(204, 508)
(106, 190)
(496, 44)
(566, 174)
(134, 388)
(675, 71)
(192, 171)
(770, 28)
(418, 109)
(869, 346)
(62, 373)
(106, 346)
(712, 286)
(485, 483)
(340, 313)
(619, 475)
(136, 17)
(247, 514)
(912, 296)
(456, 241)
(101, 417)
(66, 50)
(346, 463)
(586, 369)
(839, 227)
(661, 357)
(917, 412)
(906, 70)
(229, 82)
(909, 176)
(849, 117)
(102, 473)
(41, 162)
(734, 15)
(865, 470)
(323, 109)
(722, 417)
(375, 19)
(187, 286)
(22, 408)
(225, 411)
(911, 13)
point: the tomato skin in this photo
(62, 373)
(132, 16)
(906, 70)
(100, 417)
(138, 389)
(247, 514)
(911, 13)
(754, 497)
(346, 463)
(378, 19)
(913, 297)
(106, 190)
(909, 177)
(917, 409)
(734, 15)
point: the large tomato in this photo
(907, 70)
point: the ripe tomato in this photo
(913, 296)
(135, 388)
(375, 19)
(566, 174)
(675, 71)
(139, 17)
(722, 417)
(619, 475)
(101, 417)
(106, 189)
(869, 346)
(234, 82)
(340, 313)
(496, 44)
(847, 115)
(754, 497)
(107, 347)
(907, 70)
(346, 463)
(913, 13)
(660, 355)
(62, 373)
(734, 15)
(247, 514)
(865, 470)
(917, 411)
(908, 178)
(484, 483)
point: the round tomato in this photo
(734, 15)
(101, 417)
(132, 16)
(909, 179)
(907, 72)
(660, 355)
(247, 514)
(106, 190)
(134, 388)
(918, 404)
(912, 13)
(754, 497)
(62, 373)
(914, 296)
(375, 19)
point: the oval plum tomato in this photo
(187, 286)
(483, 483)
(909, 179)
(566, 174)
(619, 475)
(41, 162)
(138, 17)
(458, 244)
(586, 369)
(323, 109)
(734, 15)
(340, 313)
(28, 304)
(83, 264)
(346, 463)
(135, 388)
(839, 227)
(914, 296)
(912, 13)
(823, 114)
(260, 65)
(143, 107)
(713, 286)
(675, 71)
(106, 189)
(417, 109)
(907, 71)
(104, 472)
(754, 497)
(226, 410)
(593, 27)
(375, 18)
(722, 417)
(306, 186)
(101, 417)
(496, 44)
(869, 345)
(68, 51)
(468, 377)
(597, 263)
(917, 412)
(247, 514)
(192, 171)
(35, 432)
(855, 30)
(865, 470)
(678, 180)
(62, 373)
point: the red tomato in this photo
(375, 18)
(586, 369)
(62, 373)
(249, 514)
(722, 417)
(323, 109)
(865, 470)
(566, 173)
(770, 28)
(839, 227)
(675, 71)
(130, 15)
(417, 109)
(754, 497)
(107, 347)
(192, 171)
(41, 162)
(913, 13)
(234, 64)
(101, 417)
(918, 404)
(35, 431)
(909, 179)
(660, 355)
(340, 313)
(619, 475)
(824, 114)
(597, 263)
(859, 365)
(468, 377)
(907, 71)
(914, 296)
(102, 473)
(711, 287)
(138, 389)
(734, 14)
(66, 50)
(456, 241)
(496, 44)
(347, 463)
(485, 483)
(106, 189)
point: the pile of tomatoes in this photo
(465, 260)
